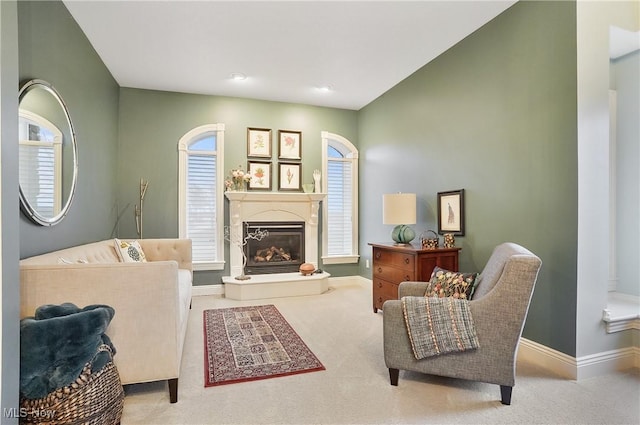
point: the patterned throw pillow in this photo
(130, 251)
(445, 283)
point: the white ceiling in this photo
(287, 49)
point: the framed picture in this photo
(451, 212)
(290, 144)
(259, 142)
(289, 176)
(260, 172)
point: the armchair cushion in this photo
(445, 283)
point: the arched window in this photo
(340, 211)
(200, 194)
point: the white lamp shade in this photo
(399, 208)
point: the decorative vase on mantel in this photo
(237, 181)
(239, 185)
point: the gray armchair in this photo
(499, 309)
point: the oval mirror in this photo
(48, 164)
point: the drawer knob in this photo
(379, 269)
(380, 300)
(377, 255)
(407, 277)
(379, 284)
(406, 261)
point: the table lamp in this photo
(400, 209)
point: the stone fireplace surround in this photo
(270, 207)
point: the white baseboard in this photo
(607, 362)
(582, 367)
(203, 290)
(548, 358)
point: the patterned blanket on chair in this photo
(439, 325)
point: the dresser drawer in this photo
(392, 274)
(397, 259)
(383, 291)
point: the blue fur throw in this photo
(56, 344)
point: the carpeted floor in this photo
(341, 329)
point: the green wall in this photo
(495, 115)
(152, 123)
(52, 47)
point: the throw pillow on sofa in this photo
(445, 283)
(130, 251)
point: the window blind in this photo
(339, 207)
(201, 206)
(37, 176)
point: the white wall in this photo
(593, 21)
(626, 81)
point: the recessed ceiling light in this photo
(238, 76)
(325, 88)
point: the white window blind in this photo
(37, 177)
(339, 207)
(201, 206)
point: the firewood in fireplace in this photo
(272, 254)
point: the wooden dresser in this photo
(393, 264)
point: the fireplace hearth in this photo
(281, 251)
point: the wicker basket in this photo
(429, 243)
(93, 399)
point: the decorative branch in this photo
(241, 240)
(144, 184)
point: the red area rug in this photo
(249, 343)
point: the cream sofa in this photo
(151, 300)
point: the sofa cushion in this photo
(130, 251)
(445, 283)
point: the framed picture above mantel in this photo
(289, 145)
(451, 212)
(258, 142)
(260, 172)
(289, 176)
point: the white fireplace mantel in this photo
(274, 206)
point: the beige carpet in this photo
(346, 336)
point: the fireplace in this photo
(281, 251)
(264, 208)
(269, 207)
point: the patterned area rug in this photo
(249, 343)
